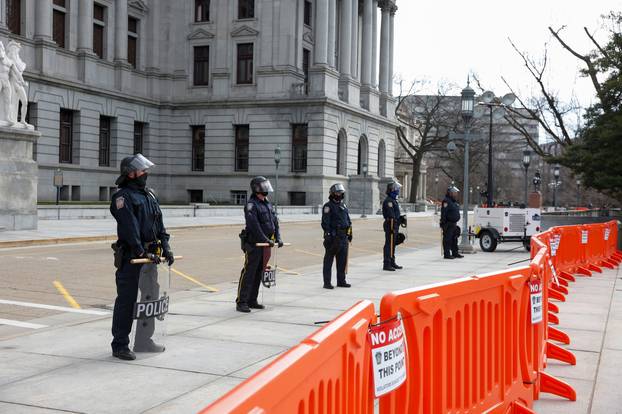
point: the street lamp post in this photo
(436, 193)
(496, 109)
(468, 102)
(277, 161)
(526, 162)
(364, 189)
(578, 192)
(556, 175)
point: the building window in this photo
(245, 63)
(238, 198)
(58, 22)
(299, 147)
(308, 13)
(362, 155)
(246, 9)
(381, 158)
(139, 137)
(306, 57)
(201, 65)
(75, 193)
(14, 16)
(342, 141)
(297, 198)
(241, 147)
(99, 28)
(196, 196)
(201, 10)
(104, 141)
(65, 153)
(103, 194)
(132, 41)
(198, 148)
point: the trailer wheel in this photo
(527, 244)
(487, 241)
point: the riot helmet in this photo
(133, 163)
(337, 192)
(393, 187)
(261, 185)
(452, 191)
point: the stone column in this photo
(391, 43)
(345, 38)
(43, 19)
(367, 43)
(354, 53)
(374, 44)
(384, 46)
(321, 31)
(332, 28)
(85, 26)
(120, 35)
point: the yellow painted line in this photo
(193, 280)
(309, 253)
(288, 271)
(363, 250)
(70, 300)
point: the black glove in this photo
(271, 243)
(350, 237)
(280, 242)
(169, 257)
(153, 257)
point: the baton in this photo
(146, 260)
(268, 244)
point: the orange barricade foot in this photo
(553, 294)
(562, 282)
(614, 260)
(583, 271)
(560, 289)
(594, 268)
(518, 408)
(553, 319)
(606, 264)
(557, 352)
(552, 385)
(557, 335)
(567, 276)
(553, 307)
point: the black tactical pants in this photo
(335, 247)
(255, 261)
(390, 239)
(450, 239)
(127, 291)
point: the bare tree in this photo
(424, 124)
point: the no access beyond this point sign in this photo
(388, 356)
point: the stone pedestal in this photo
(18, 179)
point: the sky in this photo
(445, 40)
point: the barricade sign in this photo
(555, 244)
(535, 294)
(584, 234)
(388, 355)
(607, 234)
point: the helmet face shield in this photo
(265, 187)
(337, 188)
(140, 163)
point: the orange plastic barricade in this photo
(611, 245)
(471, 346)
(328, 372)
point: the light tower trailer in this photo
(505, 224)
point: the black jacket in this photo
(335, 218)
(450, 211)
(261, 222)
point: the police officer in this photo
(262, 226)
(391, 225)
(337, 228)
(450, 215)
(141, 234)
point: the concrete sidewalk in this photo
(211, 347)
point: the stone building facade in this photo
(208, 90)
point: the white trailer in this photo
(505, 224)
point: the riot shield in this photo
(152, 304)
(269, 272)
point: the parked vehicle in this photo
(505, 224)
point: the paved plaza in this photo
(67, 366)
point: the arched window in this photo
(382, 155)
(363, 158)
(342, 142)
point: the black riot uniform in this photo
(262, 226)
(141, 233)
(391, 225)
(337, 228)
(450, 216)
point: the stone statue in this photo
(12, 87)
